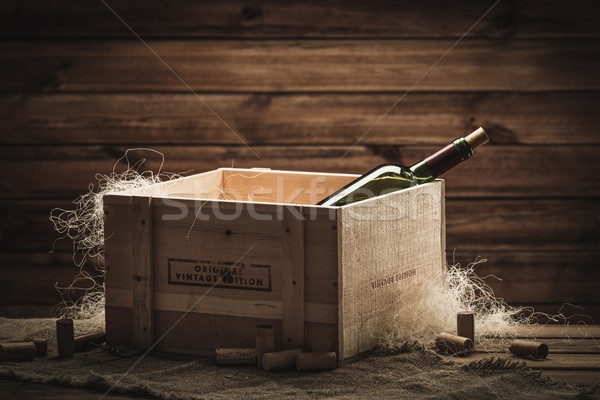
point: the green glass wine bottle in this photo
(391, 177)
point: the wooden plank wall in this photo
(300, 83)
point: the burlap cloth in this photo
(411, 373)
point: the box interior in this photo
(253, 185)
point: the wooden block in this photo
(285, 359)
(316, 361)
(235, 356)
(17, 351)
(65, 338)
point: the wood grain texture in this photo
(529, 277)
(318, 119)
(520, 277)
(507, 225)
(46, 284)
(233, 18)
(578, 314)
(320, 279)
(580, 362)
(301, 82)
(300, 188)
(219, 315)
(513, 224)
(142, 272)
(378, 262)
(117, 252)
(299, 66)
(557, 331)
(563, 344)
(504, 171)
(293, 267)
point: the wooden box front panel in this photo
(287, 255)
(220, 266)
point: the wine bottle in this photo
(391, 177)
(380, 180)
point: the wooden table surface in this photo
(574, 358)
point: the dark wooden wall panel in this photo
(316, 19)
(304, 118)
(299, 65)
(504, 171)
(301, 82)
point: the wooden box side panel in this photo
(386, 244)
(118, 278)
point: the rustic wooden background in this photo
(301, 82)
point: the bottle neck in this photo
(442, 161)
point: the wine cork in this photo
(452, 344)
(41, 346)
(83, 342)
(529, 349)
(285, 359)
(316, 361)
(465, 325)
(265, 342)
(65, 338)
(17, 351)
(235, 356)
(477, 138)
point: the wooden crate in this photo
(201, 261)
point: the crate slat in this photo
(142, 284)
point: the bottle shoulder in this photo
(390, 167)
